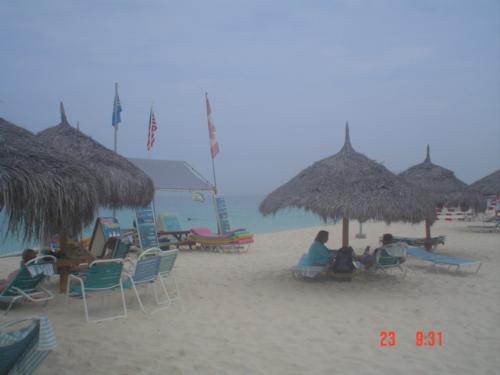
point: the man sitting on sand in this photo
(28, 254)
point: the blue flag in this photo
(117, 108)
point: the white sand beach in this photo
(246, 314)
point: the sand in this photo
(246, 314)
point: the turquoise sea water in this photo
(242, 211)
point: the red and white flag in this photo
(214, 146)
(152, 130)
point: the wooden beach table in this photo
(64, 267)
(181, 236)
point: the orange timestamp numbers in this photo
(422, 338)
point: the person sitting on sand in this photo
(28, 254)
(319, 254)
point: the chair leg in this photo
(85, 307)
(123, 299)
(14, 300)
(137, 295)
(164, 287)
(176, 289)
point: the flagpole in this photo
(116, 125)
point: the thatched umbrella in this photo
(119, 182)
(349, 185)
(443, 187)
(488, 185)
(41, 192)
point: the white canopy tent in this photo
(173, 175)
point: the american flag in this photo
(214, 146)
(152, 130)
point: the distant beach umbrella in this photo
(119, 182)
(444, 188)
(488, 185)
(42, 192)
(350, 185)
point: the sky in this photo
(282, 76)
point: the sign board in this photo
(104, 229)
(223, 218)
(168, 222)
(146, 227)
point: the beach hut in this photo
(488, 185)
(41, 191)
(350, 185)
(119, 182)
(443, 187)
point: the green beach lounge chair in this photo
(24, 344)
(26, 286)
(145, 273)
(102, 275)
(165, 272)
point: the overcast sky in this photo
(283, 76)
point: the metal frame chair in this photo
(25, 287)
(102, 275)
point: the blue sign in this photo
(146, 227)
(224, 226)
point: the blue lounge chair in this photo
(435, 259)
(386, 262)
(26, 285)
(305, 269)
(146, 273)
(415, 241)
(24, 344)
(102, 275)
(165, 273)
(485, 228)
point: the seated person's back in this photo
(343, 262)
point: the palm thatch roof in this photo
(119, 182)
(441, 183)
(42, 193)
(348, 184)
(488, 185)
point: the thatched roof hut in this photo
(350, 185)
(488, 185)
(445, 189)
(119, 182)
(41, 192)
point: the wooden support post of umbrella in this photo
(443, 187)
(360, 234)
(349, 185)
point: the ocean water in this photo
(242, 210)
